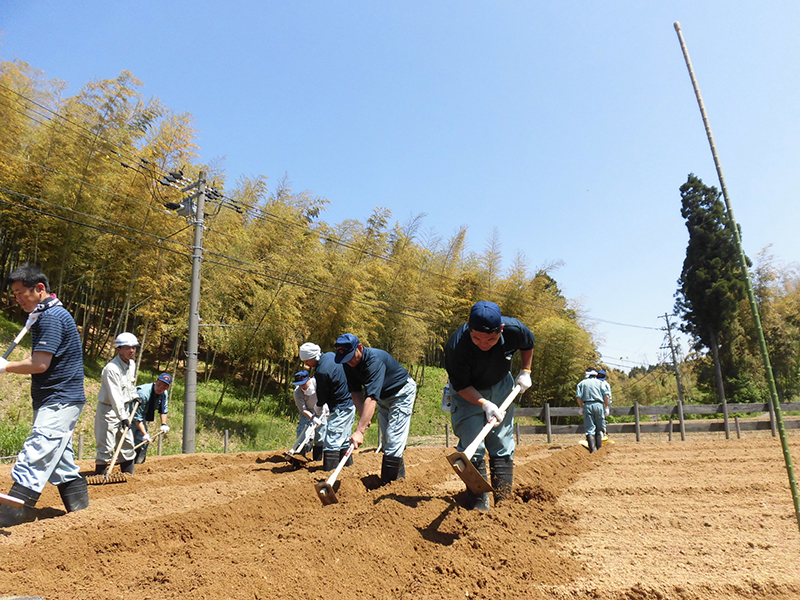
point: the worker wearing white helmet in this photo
(116, 405)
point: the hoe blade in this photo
(325, 493)
(298, 460)
(468, 473)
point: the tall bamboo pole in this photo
(748, 284)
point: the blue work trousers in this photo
(394, 418)
(339, 427)
(468, 419)
(47, 453)
(593, 417)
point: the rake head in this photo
(103, 479)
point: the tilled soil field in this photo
(636, 521)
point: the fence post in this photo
(516, 431)
(160, 442)
(447, 435)
(670, 428)
(225, 443)
(80, 446)
(547, 425)
(738, 431)
(636, 421)
(681, 419)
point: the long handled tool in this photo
(11, 501)
(150, 441)
(461, 461)
(307, 435)
(325, 488)
(17, 340)
(117, 477)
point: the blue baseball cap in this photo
(166, 378)
(485, 317)
(300, 378)
(346, 346)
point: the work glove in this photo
(124, 424)
(165, 428)
(325, 412)
(3, 363)
(147, 438)
(606, 411)
(523, 380)
(493, 412)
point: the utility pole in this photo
(190, 393)
(674, 357)
(191, 207)
(677, 377)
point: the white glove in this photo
(147, 438)
(325, 412)
(493, 412)
(165, 428)
(3, 363)
(523, 380)
(606, 411)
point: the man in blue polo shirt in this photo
(377, 381)
(56, 369)
(154, 397)
(332, 391)
(478, 362)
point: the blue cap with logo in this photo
(166, 378)
(346, 346)
(300, 377)
(485, 317)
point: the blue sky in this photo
(566, 127)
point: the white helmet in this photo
(126, 339)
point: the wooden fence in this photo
(677, 419)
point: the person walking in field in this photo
(478, 362)
(593, 400)
(56, 369)
(332, 392)
(378, 382)
(153, 397)
(115, 405)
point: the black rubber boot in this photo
(390, 468)
(349, 462)
(141, 455)
(100, 468)
(330, 460)
(316, 453)
(10, 516)
(127, 467)
(502, 473)
(598, 440)
(74, 494)
(590, 439)
(478, 501)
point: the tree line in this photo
(84, 180)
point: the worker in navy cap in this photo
(378, 382)
(305, 398)
(154, 397)
(478, 362)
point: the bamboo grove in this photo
(83, 183)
